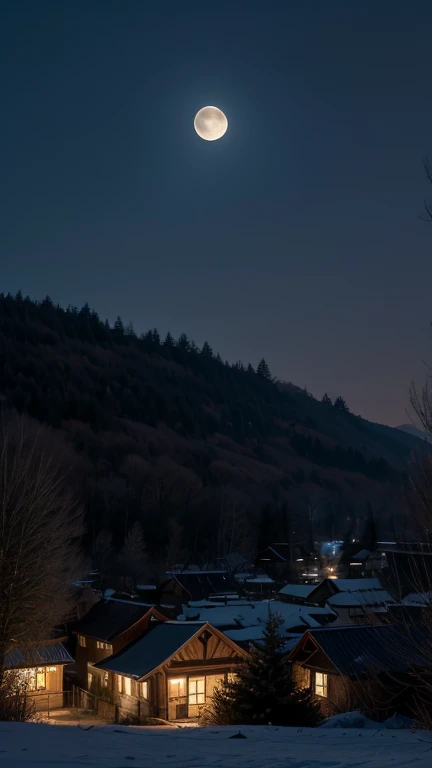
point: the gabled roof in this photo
(37, 656)
(355, 650)
(361, 597)
(108, 619)
(201, 584)
(155, 648)
(298, 590)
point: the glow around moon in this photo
(210, 123)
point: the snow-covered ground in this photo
(46, 746)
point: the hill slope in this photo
(208, 457)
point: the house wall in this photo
(211, 661)
(91, 654)
(88, 654)
(52, 697)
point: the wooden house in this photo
(170, 672)
(296, 593)
(368, 591)
(372, 667)
(41, 668)
(183, 586)
(108, 627)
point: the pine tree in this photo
(206, 350)
(263, 691)
(369, 537)
(118, 326)
(132, 558)
(340, 404)
(129, 331)
(326, 399)
(183, 342)
(169, 341)
(263, 370)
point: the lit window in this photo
(89, 680)
(103, 646)
(177, 688)
(127, 686)
(320, 684)
(144, 690)
(82, 641)
(51, 669)
(197, 690)
(119, 683)
(105, 679)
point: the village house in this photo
(282, 560)
(296, 593)
(370, 668)
(366, 589)
(183, 586)
(41, 668)
(170, 672)
(108, 626)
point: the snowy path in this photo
(46, 746)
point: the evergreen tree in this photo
(183, 342)
(118, 326)
(132, 558)
(169, 341)
(326, 399)
(263, 690)
(250, 369)
(340, 404)
(369, 537)
(263, 370)
(206, 350)
(129, 331)
(156, 337)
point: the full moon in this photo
(210, 123)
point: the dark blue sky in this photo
(297, 236)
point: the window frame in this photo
(322, 685)
(196, 696)
(82, 641)
(144, 690)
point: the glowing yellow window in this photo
(40, 678)
(321, 684)
(197, 690)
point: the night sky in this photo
(296, 237)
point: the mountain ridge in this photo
(207, 454)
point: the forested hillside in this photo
(207, 456)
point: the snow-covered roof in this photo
(298, 590)
(255, 614)
(363, 597)
(255, 634)
(353, 585)
(418, 599)
(146, 586)
(262, 579)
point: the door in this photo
(177, 698)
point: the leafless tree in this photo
(40, 533)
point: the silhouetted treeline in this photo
(173, 438)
